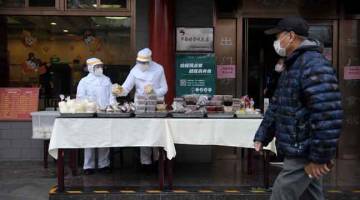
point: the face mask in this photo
(279, 67)
(144, 67)
(280, 50)
(98, 71)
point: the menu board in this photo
(195, 74)
(18, 103)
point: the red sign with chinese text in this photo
(18, 103)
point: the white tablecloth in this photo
(133, 132)
(97, 132)
(223, 132)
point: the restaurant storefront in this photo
(46, 43)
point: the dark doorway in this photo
(260, 58)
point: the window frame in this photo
(60, 10)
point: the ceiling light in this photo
(65, 30)
(53, 23)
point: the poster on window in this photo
(18, 103)
(195, 74)
(194, 39)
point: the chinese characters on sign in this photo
(195, 74)
(18, 103)
(352, 73)
(195, 39)
(225, 71)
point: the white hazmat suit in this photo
(147, 77)
(96, 87)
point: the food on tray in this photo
(150, 108)
(149, 104)
(203, 100)
(161, 107)
(69, 105)
(178, 105)
(210, 109)
(109, 109)
(228, 109)
(191, 99)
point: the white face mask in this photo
(144, 67)
(98, 71)
(279, 67)
(281, 51)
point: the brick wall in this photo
(16, 143)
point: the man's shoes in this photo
(89, 171)
(105, 170)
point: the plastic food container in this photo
(140, 108)
(215, 103)
(140, 102)
(42, 123)
(151, 102)
(228, 109)
(211, 108)
(218, 98)
(150, 108)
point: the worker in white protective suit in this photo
(96, 87)
(148, 78)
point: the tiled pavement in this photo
(224, 180)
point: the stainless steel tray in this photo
(187, 115)
(151, 114)
(249, 116)
(77, 115)
(221, 115)
(114, 115)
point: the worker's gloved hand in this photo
(117, 90)
(148, 89)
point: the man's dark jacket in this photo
(305, 114)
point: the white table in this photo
(222, 132)
(42, 124)
(75, 133)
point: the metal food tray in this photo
(77, 115)
(221, 115)
(151, 114)
(249, 116)
(187, 115)
(114, 115)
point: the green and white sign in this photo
(195, 74)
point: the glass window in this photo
(324, 34)
(41, 3)
(81, 4)
(113, 3)
(51, 51)
(12, 3)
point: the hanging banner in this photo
(194, 39)
(18, 103)
(195, 74)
